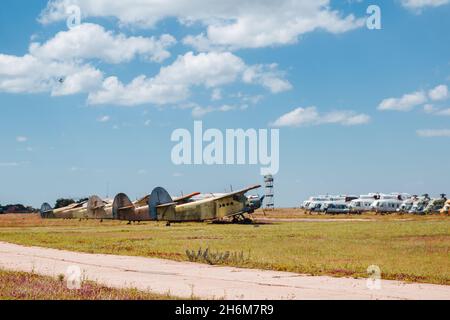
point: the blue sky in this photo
(358, 110)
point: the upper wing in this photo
(74, 205)
(186, 197)
(142, 202)
(239, 192)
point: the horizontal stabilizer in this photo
(126, 208)
(166, 205)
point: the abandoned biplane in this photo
(72, 211)
(96, 208)
(161, 207)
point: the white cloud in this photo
(443, 112)
(429, 108)
(419, 4)
(29, 74)
(311, 116)
(57, 66)
(406, 103)
(21, 139)
(91, 41)
(245, 98)
(229, 24)
(431, 133)
(267, 76)
(173, 83)
(139, 91)
(104, 119)
(198, 111)
(438, 93)
(209, 69)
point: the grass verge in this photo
(30, 286)
(407, 248)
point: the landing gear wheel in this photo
(241, 219)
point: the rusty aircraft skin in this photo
(100, 209)
(72, 211)
(161, 207)
(95, 208)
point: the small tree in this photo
(60, 203)
(83, 200)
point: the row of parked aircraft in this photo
(379, 203)
(160, 206)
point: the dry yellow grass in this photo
(405, 247)
(30, 286)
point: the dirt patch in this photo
(407, 277)
(168, 255)
(342, 272)
(201, 238)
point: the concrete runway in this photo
(185, 279)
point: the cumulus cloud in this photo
(311, 116)
(198, 111)
(139, 91)
(438, 93)
(410, 100)
(420, 4)
(229, 24)
(59, 65)
(91, 41)
(268, 76)
(431, 133)
(29, 74)
(173, 83)
(406, 103)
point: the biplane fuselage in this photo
(161, 207)
(158, 206)
(69, 212)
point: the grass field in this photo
(30, 286)
(408, 248)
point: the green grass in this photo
(30, 286)
(408, 248)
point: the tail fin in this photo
(94, 206)
(94, 203)
(121, 204)
(46, 210)
(262, 200)
(158, 197)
